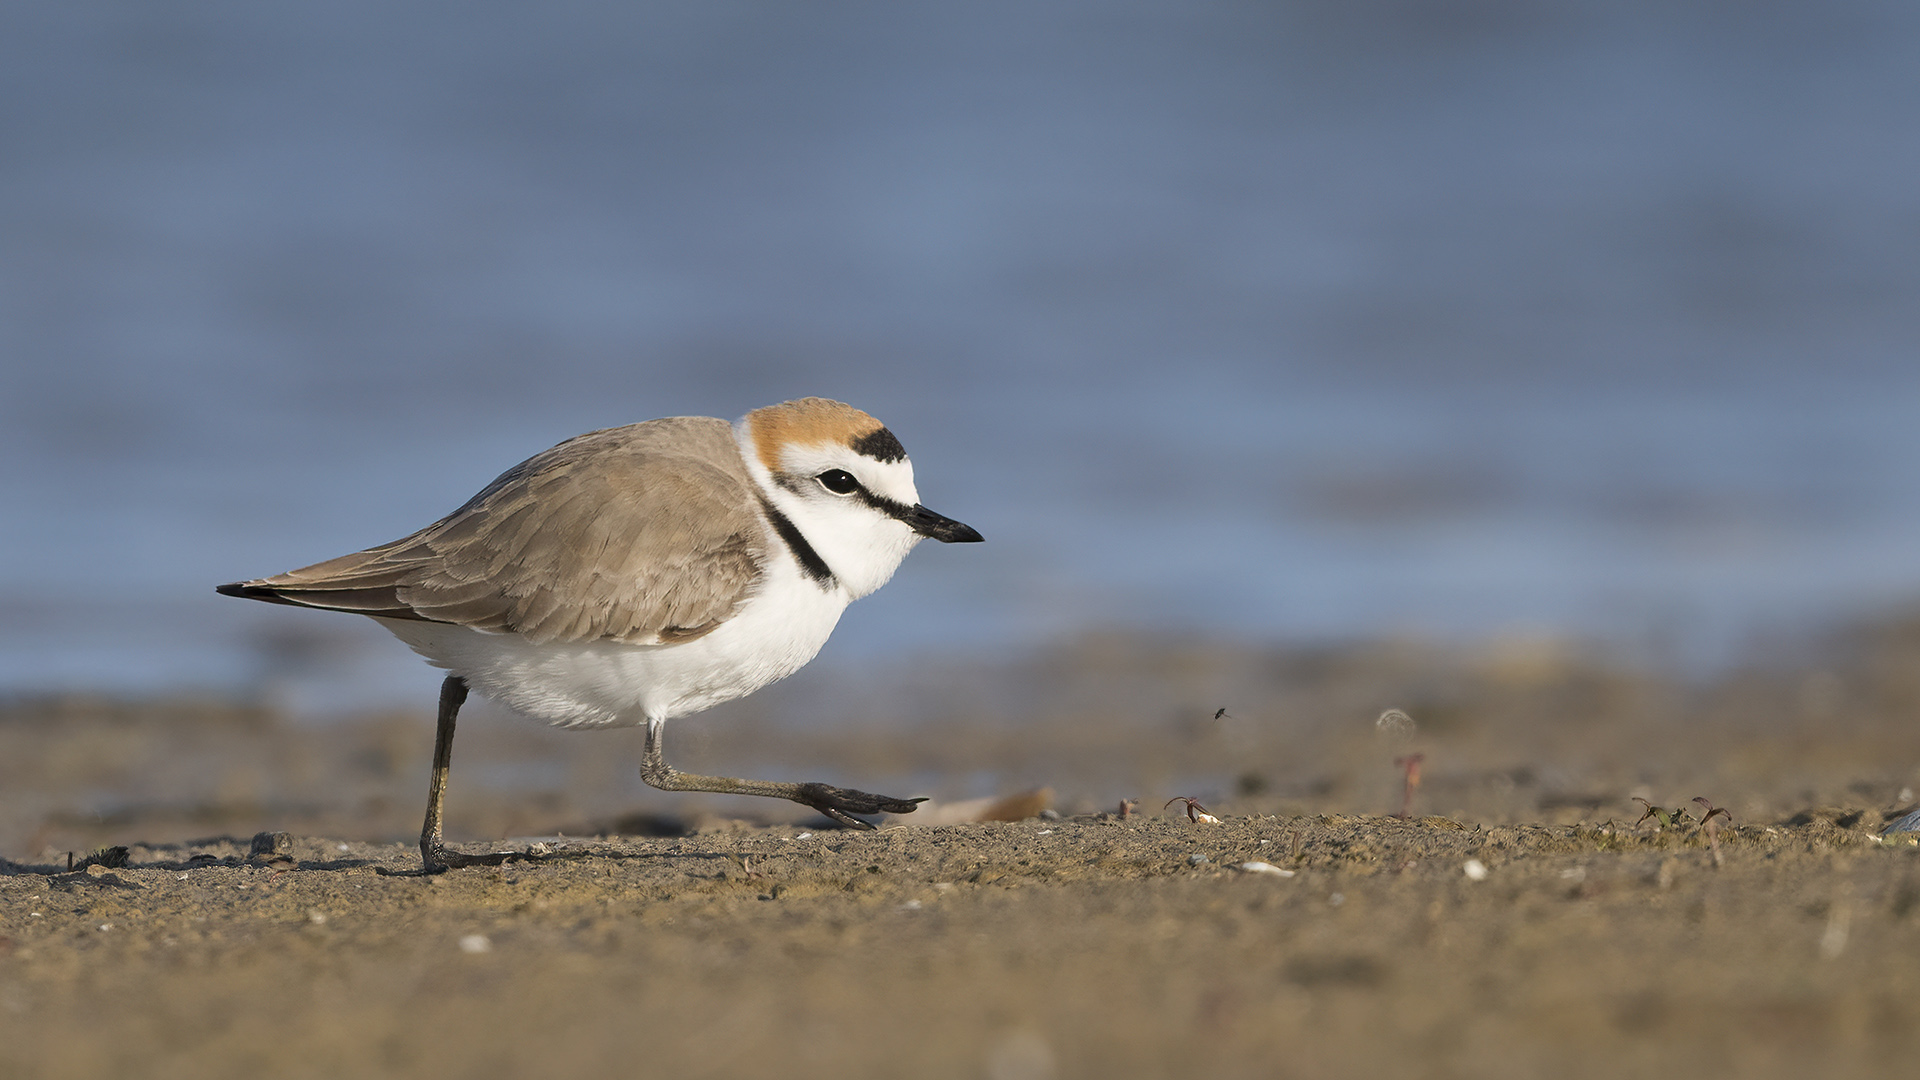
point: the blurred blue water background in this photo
(1272, 321)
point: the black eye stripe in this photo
(801, 484)
(897, 510)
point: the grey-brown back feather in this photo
(645, 533)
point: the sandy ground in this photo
(1528, 919)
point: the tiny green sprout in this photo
(1658, 813)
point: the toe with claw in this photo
(841, 804)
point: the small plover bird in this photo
(642, 573)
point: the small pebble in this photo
(475, 943)
(1044, 832)
(1264, 868)
(804, 836)
(1196, 859)
(1475, 870)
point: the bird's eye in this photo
(838, 481)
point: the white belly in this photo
(608, 684)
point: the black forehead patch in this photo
(880, 445)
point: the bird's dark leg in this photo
(453, 694)
(840, 804)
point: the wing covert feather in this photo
(639, 534)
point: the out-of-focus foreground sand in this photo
(698, 936)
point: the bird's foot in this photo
(437, 857)
(841, 804)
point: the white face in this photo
(845, 504)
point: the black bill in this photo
(944, 529)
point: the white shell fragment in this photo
(1265, 868)
(1475, 870)
(475, 943)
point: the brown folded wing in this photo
(641, 534)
